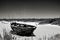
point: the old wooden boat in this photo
(22, 29)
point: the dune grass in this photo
(9, 37)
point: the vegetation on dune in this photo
(9, 37)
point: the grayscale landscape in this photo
(29, 20)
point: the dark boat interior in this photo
(22, 29)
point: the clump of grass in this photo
(6, 35)
(55, 37)
(0, 37)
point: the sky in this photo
(29, 9)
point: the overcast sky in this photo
(29, 9)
